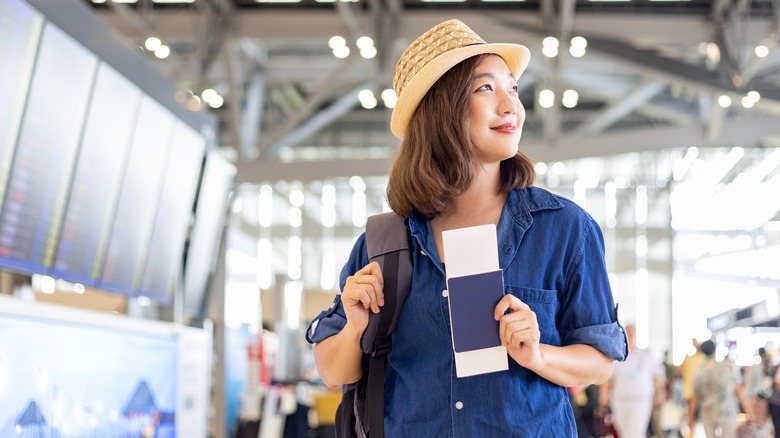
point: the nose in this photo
(509, 103)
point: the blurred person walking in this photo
(774, 398)
(631, 391)
(717, 388)
(758, 387)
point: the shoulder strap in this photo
(388, 243)
(387, 239)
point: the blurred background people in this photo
(774, 398)
(632, 389)
(718, 391)
(758, 387)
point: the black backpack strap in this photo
(388, 243)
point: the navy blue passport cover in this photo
(472, 301)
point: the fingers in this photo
(508, 302)
(519, 327)
(365, 287)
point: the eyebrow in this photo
(491, 76)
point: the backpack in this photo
(361, 411)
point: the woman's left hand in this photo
(518, 330)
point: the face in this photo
(497, 116)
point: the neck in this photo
(480, 204)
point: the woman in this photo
(460, 120)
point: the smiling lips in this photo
(506, 128)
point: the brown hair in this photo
(437, 161)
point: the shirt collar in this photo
(520, 204)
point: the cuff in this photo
(328, 323)
(610, 339)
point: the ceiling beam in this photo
(307, 171)
(337, 109)
(313, 103)
(620, 108)
(744, 131)
(738, 131)
(673, 70)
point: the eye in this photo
(486, 87)
(515, 89)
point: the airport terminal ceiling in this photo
(654, 74)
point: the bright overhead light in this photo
(550, 47)
(577, 51)
(364, 42)
(570, 98)
(546, 98)
(724, 101)
(162, 52)
(208, 94)
(389, 98)
(368, 52)
(341, 52)
(579, 42)
(152, 43)
(336, 41)
(762, 51)
(216, 101)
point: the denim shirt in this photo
(552, 254)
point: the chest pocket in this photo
(545, 304)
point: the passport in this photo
(472, 300)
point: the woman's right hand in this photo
(363, 292)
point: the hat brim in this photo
(516, 57)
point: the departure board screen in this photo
(210, 213)
(138, 196)
(43, 163)
(166, 248)
(20, 29)
(99, 169)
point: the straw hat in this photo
(432, 54)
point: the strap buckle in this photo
(382, 347)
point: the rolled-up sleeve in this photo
(332, 320)
(589, 309)
(607, 338)
(328, 323)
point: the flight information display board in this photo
(20, 30)
(166, 248)
(138, 198)
(46, 150)
(99, 169)
(210, 213)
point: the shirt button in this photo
(423, 253)
(459, 405)
(444, 293)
